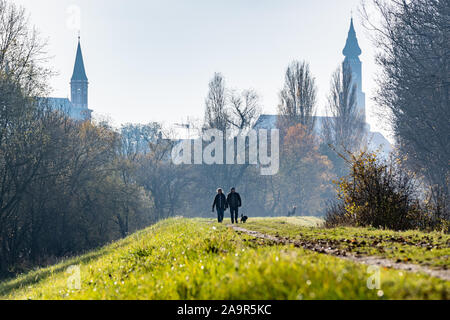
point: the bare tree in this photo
(231, 112)
(22, 52)
(136, 139)
(216, 115)
(244, 109)
(23, 142)
(59, 184)
(413, 38)
(344, 125)
(298, 97)
(160, 177)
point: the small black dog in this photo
(292, 213)
(243, 218)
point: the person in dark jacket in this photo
(220, 203)
(234, 202)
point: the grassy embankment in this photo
(199, 259)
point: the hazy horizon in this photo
(151, 61)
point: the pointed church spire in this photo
(352, 48)
(79, 74)
(79, 82)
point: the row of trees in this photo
(414, 86)
(411, 190)
(65, 186)
(307, 164)
(413, 38)
(306, 171)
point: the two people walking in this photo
(221, 203)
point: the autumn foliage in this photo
(380, 194)
(305, 171)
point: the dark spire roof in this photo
(352, 48)
(79, 74)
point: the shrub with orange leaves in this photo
(380, 194)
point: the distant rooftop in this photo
(376, 140)
(66, 106)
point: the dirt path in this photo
(368, 260)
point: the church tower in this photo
(352, 51)
(79, 82)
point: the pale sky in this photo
(151, 60)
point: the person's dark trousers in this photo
(234, 214)
(220, 213)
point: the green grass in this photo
(428, 249)
(200, 259)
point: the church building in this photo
(351, 52)
(77, 107)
